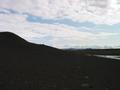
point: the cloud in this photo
(97, 11)
(58, 35)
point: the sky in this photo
(63, 23)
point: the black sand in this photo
(26, 66)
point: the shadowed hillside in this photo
(27, 66)
(10, 40)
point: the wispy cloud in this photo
(61, 35)
(102, 12)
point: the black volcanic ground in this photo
(27, 66)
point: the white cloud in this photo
(97, 11)
(62, 36)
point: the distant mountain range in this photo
(28, 66)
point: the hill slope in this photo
(27, 66)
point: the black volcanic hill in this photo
(27, 66)
(13, 41)
(8, 39)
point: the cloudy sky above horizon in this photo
(63, 23)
